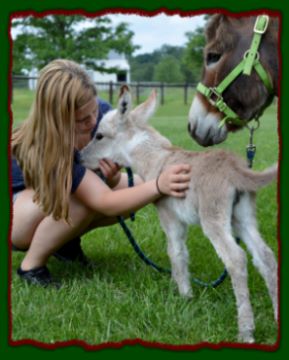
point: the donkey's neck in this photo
(148, 156)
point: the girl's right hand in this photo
(111, 171)
(174, 180)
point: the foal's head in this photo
(120, 131)
(228, 39)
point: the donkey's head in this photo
(120, 131)
(231, 88)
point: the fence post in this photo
(162, 94)
(186, 93)
(110, 92)
(137, 93)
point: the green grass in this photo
(122, 298)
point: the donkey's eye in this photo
(212, 58)
(98, 136)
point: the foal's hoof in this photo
(186, 294)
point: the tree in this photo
(192, 60)
(174, 51)
(75, 37)
(143, 66)
(186, 61)
(168, 70)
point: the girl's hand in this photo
(111, 171)
(174, 180)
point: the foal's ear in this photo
(124, 102)
(144, 111)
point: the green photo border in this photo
(134, 351)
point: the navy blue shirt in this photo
(78, 170)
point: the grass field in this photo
(122, 298)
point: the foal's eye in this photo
(212, 58)
(98, 136)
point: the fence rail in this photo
(113, 87)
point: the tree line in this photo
(39, 40)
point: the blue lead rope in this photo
(160, 269)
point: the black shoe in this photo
(38, 276)
(72, 251)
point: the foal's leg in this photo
(219, 232)
(245, 225)
(176, 233)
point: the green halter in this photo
(250, 61)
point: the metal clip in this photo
(251, 151)
(251, 148)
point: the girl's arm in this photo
(95, 194)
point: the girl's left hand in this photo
(174, 180)
(111, 171)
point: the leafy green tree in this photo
(175, 51)
(168, 70)
(143, 66)
(186, 61)
(192, 60)
(76, 37)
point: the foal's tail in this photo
(249, 180)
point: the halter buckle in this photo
(214, 96)
(260, 27)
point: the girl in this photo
(57, 199)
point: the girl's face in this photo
(85, 118)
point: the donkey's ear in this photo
(124, 102)
(144, 111)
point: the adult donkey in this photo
(240, 76)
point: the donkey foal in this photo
(221, 199)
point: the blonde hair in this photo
(44, 143)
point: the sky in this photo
(152, 32)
